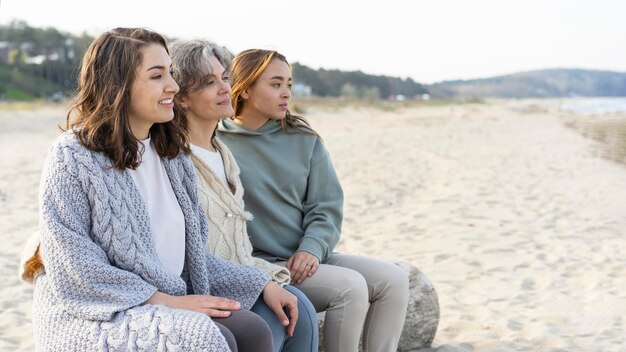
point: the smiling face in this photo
(152, 92)
(211, 101)
(269, 96)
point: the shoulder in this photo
(225, 125)
(223, 149)
(320, 152)
(182, 167)
(68, 151)
(183, 160)
(67, 140)
(301, 133)
(72, 169)
(231, 168)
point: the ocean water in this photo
(596, 106)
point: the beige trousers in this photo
(359, 294)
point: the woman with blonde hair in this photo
(201, 69)
(294, 193)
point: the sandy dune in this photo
(515, 218)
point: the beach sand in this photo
(516, 218)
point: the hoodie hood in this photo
(229, 126)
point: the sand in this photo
(516, 218)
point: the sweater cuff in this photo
(314, 246)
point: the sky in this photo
(426, 40)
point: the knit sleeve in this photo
(81, 276)
(242, 283)
(279, 274)
(322, 206)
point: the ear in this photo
(184, 103)
(244, 94)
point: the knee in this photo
(354, 290)
(397, 282)
(257, 329)
(307, 316)
(306, 334)
(250, 331)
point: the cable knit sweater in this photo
(224, 207)
(101, 265)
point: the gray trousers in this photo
(246, 332)
(359, 294)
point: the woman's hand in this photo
(302, 265)
(277, 298)
(215, 307)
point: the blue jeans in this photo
(305, 336)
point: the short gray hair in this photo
(190, 60)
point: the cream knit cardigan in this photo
(224, 207)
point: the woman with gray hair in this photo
(201, 69)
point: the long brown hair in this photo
(247, 66)
(102, 100)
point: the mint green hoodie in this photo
(290, 187)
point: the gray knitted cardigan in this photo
(101, 264)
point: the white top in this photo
(167, 222)
(212, 159)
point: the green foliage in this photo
(14, 94)
(354, 84)
(43, 61)
(23, 85)
(40, 62)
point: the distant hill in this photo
(536, 84)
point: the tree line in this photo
(356, 84)
(38, 63)
(43, 63)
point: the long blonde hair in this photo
(246, 68)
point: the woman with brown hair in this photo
(121, 261)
